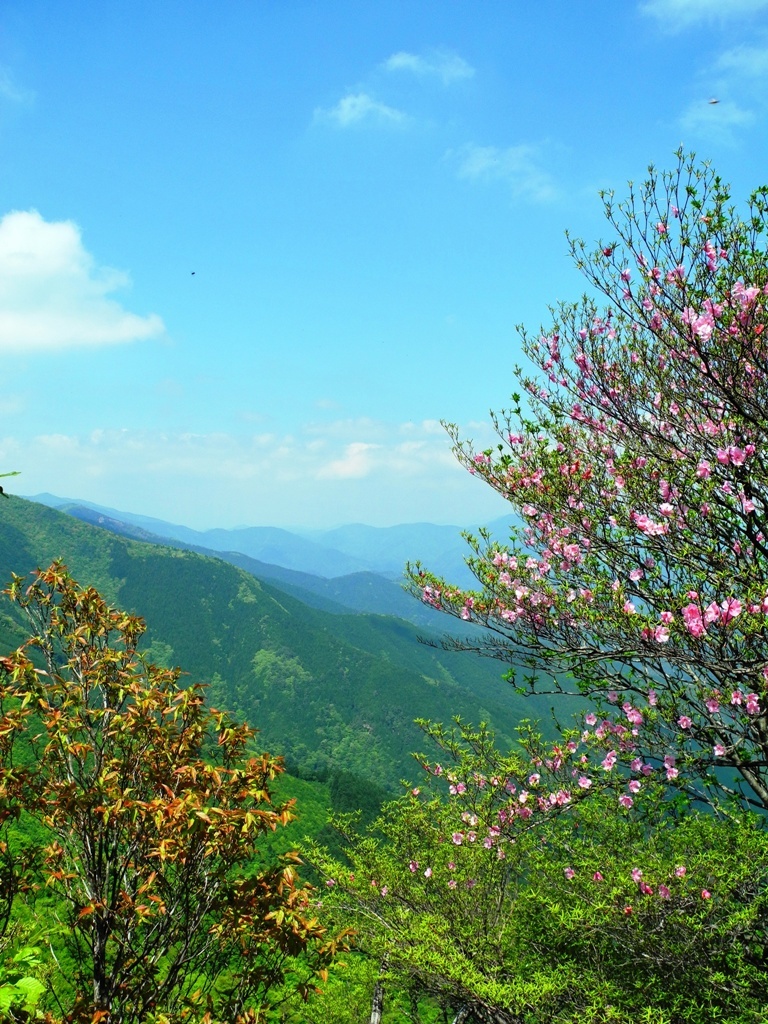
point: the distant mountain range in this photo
(356, 567)
(328, 688)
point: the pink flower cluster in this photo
(697, 619)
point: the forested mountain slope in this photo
(338, 691)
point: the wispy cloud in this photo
(357, 108)
(448, 67)
(738, 81)
(356, 462)
(744, 61)
(718, 122)
(53, 295)
(675, 15)
(519, 167)
(10, 90)
(373, 470)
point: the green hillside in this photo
(326, 691)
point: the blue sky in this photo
(371, 196)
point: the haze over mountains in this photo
(327, 687)
(329, 553)
(353, 567)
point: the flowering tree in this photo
(503, 916)
(154, 807)
(638, 466)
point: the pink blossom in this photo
(703, 470)
(457, 838)
(625, 800)
(730, 609)
(590, 718)
(569, 873)
(647, 525)
(428, 873)
(664, 892)
(719, 750)
(712, 705)
(661, 634)
(738, 455)
(652, 698)
(684, 722)
(693, 620)
(634, 786)
(753, 704)
(451, 883)
(680, 871)
(711, 613)
(637, 874)
(706, 894)
(584, 782)
(597, 877)
(636, 574)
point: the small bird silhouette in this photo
(714, 100)
(193, 273)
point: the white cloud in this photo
(53, 296)
(372, 472)
(737, 82)
(517, 166)
(356, 108)
(680, 14)
(356, 462)
(715, 121)
(448, 67)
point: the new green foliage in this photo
(330, 692)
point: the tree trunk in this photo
(377, 1003)
(101, 986)
(463, 1014)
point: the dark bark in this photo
(377, 1003)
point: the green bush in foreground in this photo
(153, 810)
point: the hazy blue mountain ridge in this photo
(330, 691)
(342, 551)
